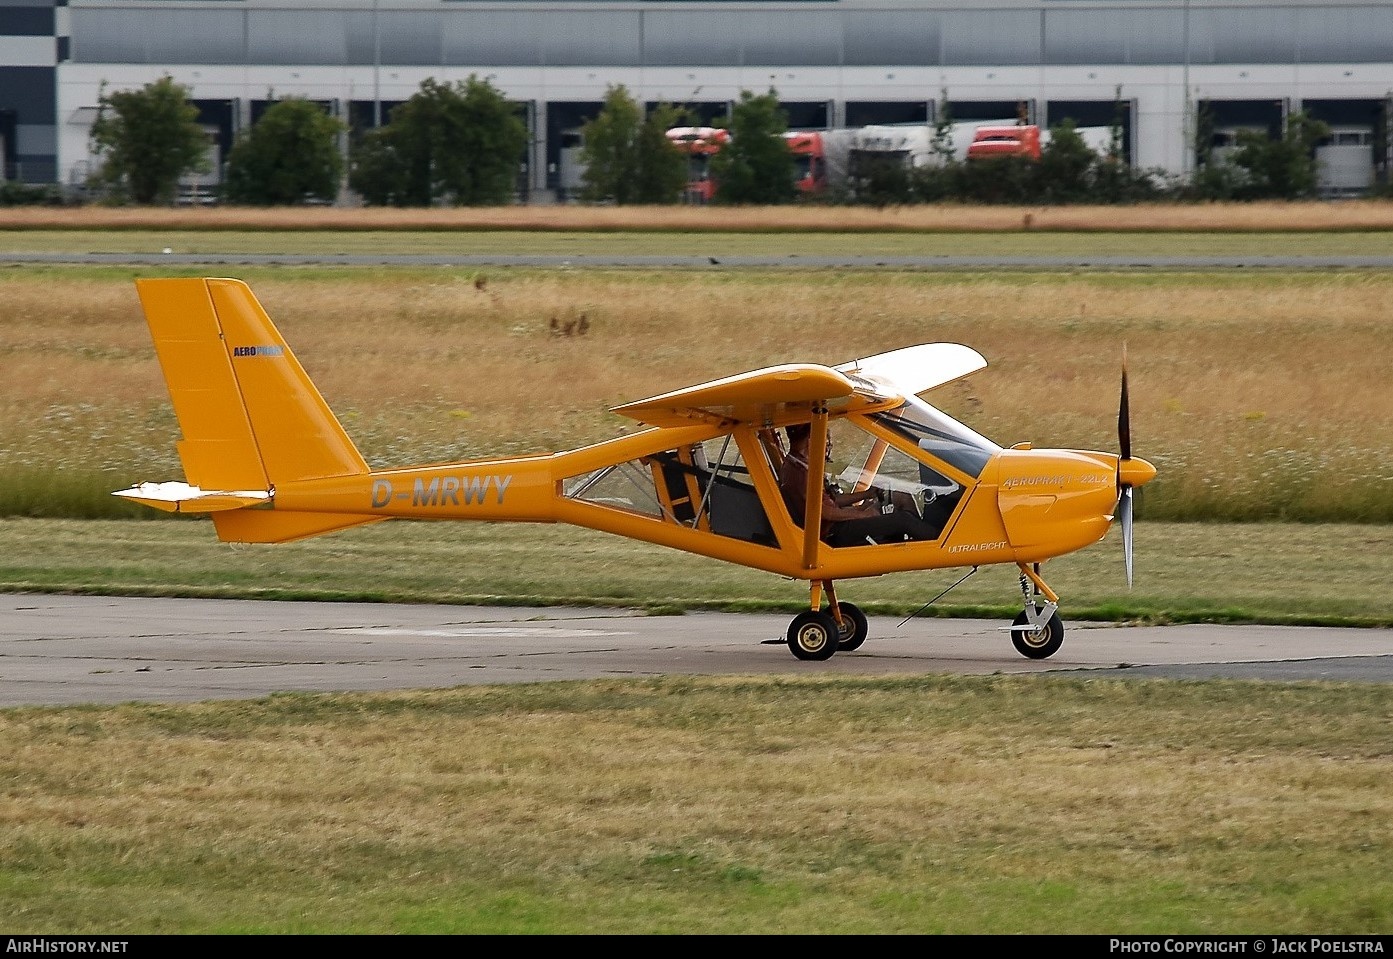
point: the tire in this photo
(813, 635)
(1039, 643)
(852, 633)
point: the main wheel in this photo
(1037, 642)
(813, 635)
(852, 632)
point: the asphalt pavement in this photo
(68, 650)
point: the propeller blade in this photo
(1124, 509)
(1126, 467)
(1124, 417)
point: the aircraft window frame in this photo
(862, 455)
(645, 503)
(734, 504)
(856, 454)
(892, 477)
(956, 445)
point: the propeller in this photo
(1124, 442)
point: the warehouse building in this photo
(1164, 69)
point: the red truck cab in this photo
(1013, 140)
(699, 145)
(809, 161)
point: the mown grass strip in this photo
(1289, 574)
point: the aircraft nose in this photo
(1135, 472)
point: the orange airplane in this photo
(266, 457)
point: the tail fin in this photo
(250, 415)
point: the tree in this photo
(1282, 168)
(1117, 145)
(459, 144)
(377, 173)
(879, 179)
(628, 157)
(944, 149)
(941, 178)
(291, 154)
(1064, 173)
(756, 166)
(147, 139)
(998, 179)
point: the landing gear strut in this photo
(817, 633)
(852, 630)
(1037, 632)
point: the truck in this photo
(809, 161)
(826, 159)
(996, 141)
(699, 145)
(822, 158)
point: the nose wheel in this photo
(1037, 632)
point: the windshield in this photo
(940, 435)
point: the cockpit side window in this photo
(881, 494)
(940, 435)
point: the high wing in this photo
(916, 369)
(762, 397)
(766, 396)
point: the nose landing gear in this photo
(1037, 632)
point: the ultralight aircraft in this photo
(266, 457)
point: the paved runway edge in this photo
(70, 650)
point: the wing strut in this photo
(812, 516)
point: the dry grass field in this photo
(1221, 217)
(1258, 394)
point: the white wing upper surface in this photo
(916, 369)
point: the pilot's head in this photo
(798, 434)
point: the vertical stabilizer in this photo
(249, 414)
(218, 449)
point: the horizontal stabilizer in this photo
(183, 498)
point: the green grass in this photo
(710, 806)
(1284, 573)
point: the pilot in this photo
(857, 518)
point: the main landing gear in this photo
(817, 633)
